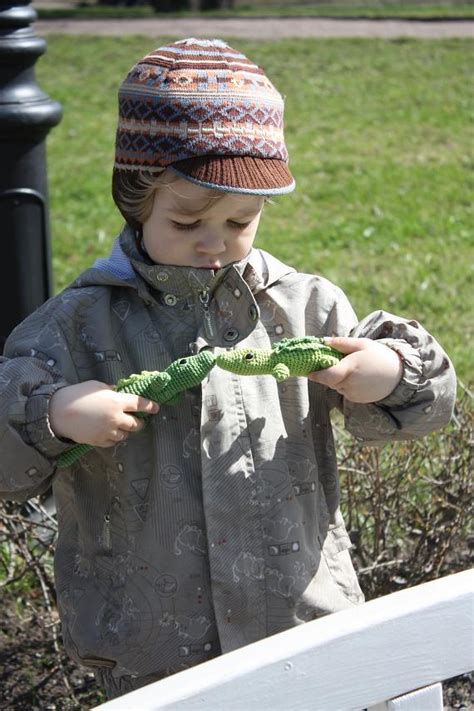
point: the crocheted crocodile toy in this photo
(290, 356)
(163, 387)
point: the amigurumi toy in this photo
(290, 356)
(162, 387)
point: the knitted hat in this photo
(210, 113)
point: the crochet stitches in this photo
(290, 356)
(162, 387)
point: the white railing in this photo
(360, 658)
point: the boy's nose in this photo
(213, 244)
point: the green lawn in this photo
(380, 139)
(249, 8)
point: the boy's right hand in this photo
(93, 413)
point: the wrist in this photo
(38, 431)
(57, 413)
(408, 384)
(398, 367)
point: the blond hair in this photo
(135, 192)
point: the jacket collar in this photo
(181, 282)
(258, 269)
(227, 297)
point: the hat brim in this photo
(238, 174)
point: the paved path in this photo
(260, 28)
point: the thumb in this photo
(331, 377)
(345, 345)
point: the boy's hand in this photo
(369, 372)
(93, 413)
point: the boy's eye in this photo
(192, 225)
(185, 225)
(238, 225)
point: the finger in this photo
(114, 437)
(131, 424)
(137, 403)
(345, 344)
(112, 441)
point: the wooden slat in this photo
(428, 699)
(346, 661)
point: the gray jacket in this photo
(219, 523)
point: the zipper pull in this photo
(204, 298)
(106, 538)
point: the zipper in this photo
(204, 298)
(106, 532)
(106, 538)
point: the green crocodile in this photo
(290, 356)
(163, 387)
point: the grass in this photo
(380, 139)
(273, 8)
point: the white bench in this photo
(362, 658)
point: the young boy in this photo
(218, 523)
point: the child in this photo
(218, 523)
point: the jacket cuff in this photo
(412, 375)
(37, 428)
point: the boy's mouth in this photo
(211, 265)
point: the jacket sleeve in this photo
(35, 364)
(424, 399)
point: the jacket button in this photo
(231, 334)
(170, 299)
(253, 312)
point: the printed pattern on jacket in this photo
(219, 523)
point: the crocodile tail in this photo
(66, 459)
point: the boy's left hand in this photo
(369, 372)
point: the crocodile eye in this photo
(249, 356)
(182, 361)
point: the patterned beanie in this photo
(210, 113)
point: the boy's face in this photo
(189, 227)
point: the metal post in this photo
(26, 116)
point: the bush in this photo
(407, 508)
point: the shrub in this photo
(407, 507)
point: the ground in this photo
(31, 675)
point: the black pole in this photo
(26, 116)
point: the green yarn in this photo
(162, 387)
(290, 356)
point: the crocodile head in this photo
(190, 371)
